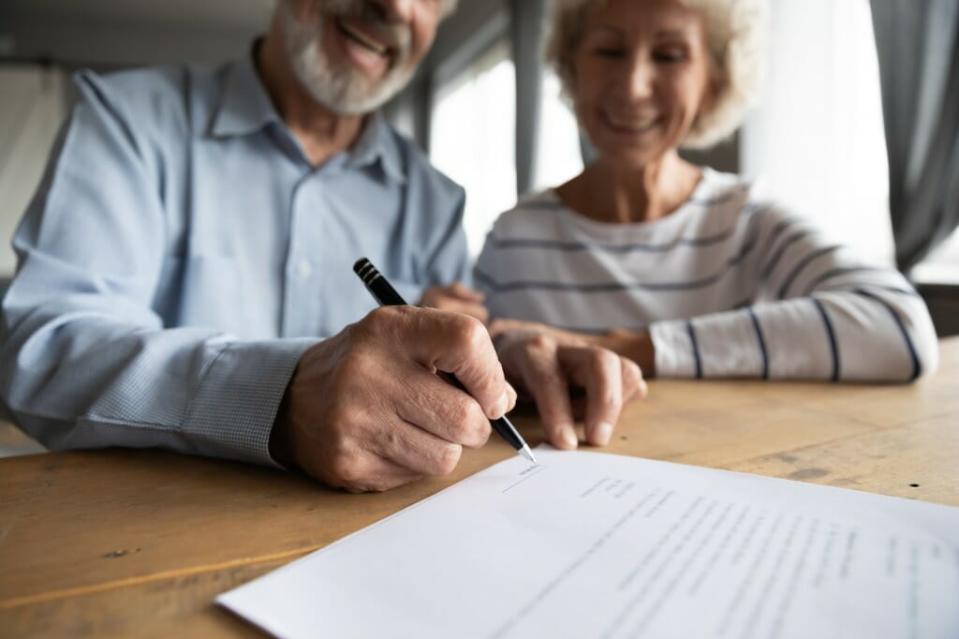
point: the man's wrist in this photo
(281, 448)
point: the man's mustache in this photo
(373, 20)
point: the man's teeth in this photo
(363, 39)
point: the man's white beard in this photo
(341, 89)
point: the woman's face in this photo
(641, 75)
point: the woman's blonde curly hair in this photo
(736, 37)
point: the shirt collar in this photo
(245, 106)
(377, 142)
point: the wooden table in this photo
(138, 543)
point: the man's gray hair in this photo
(736, 37)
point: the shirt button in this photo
(304, 269)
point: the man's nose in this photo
(396, 10)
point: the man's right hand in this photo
(456, 297)
(365, 410)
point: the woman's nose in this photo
(639, 79)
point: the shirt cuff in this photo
(675, 354)
(232, 415)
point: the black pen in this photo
(386, 295)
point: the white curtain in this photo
(816, 143)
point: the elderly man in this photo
(191, 246)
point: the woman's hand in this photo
(637, 346)
(458, 298)
(547, 362)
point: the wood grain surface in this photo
(138, 543)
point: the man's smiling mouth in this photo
(362, 39)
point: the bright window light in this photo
(817, 142)
(472, 139)
(558, 153)
(942, 265)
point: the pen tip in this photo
(528, 454)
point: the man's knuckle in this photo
(337, 434)
(379, 321)
(459, 411)
(481, 432)
(474, 429)
(346, 471)
(471, 334)
(447, 458)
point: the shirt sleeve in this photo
(450, 258)
(485, 264)
(819, 313)
(85, 361)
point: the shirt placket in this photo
(303, 312)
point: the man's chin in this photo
(363, 96)
(350, 101)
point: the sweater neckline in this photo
(704, 189)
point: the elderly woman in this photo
(685, 270)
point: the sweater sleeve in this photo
(818, 313)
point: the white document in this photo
(595, 545)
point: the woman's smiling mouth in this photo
(633, 124)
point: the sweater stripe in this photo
(761, 341)
(778, 255)
(599, 247)
(831, 334)
(697, 357)
(608, 287)
(916, 364)
(803, 263)
(833, 274)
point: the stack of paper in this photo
(595, 545)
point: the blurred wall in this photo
(35, 103)
(43, 41)
(112, 33)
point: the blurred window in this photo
(558, 154)
(472, 138)
(942, 265)
(817, 142)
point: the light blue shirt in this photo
(182, 253)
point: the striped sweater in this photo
(728, 285)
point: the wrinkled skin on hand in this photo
(365, 410)
(545, 363)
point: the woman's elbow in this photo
(921, 339)
(927, 350)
